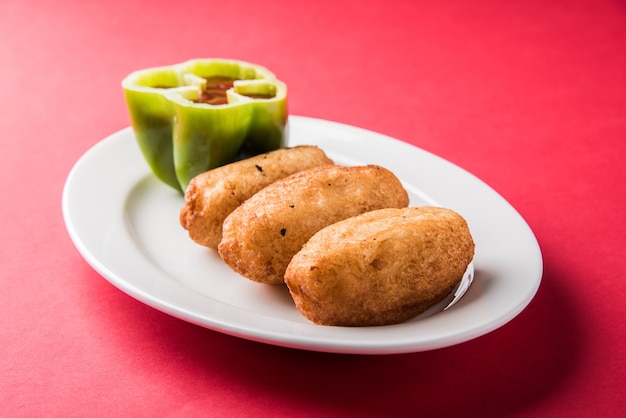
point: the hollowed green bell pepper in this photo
(191, 117)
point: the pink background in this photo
(530, 96)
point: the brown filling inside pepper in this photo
(214, 92)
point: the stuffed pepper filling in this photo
(214, 91)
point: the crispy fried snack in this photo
(383, 267)
(213, 195)
(261, 236)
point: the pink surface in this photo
(529, 96)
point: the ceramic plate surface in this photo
(124, 223)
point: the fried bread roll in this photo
(383, 267)
(213, 195)
(261, 236)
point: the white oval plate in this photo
(125, 224)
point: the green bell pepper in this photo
(191, 117)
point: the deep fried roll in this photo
(380, 268)
(261, 236)
(213, 195)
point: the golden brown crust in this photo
(213, 195)
(379, 268)
(261, 236)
